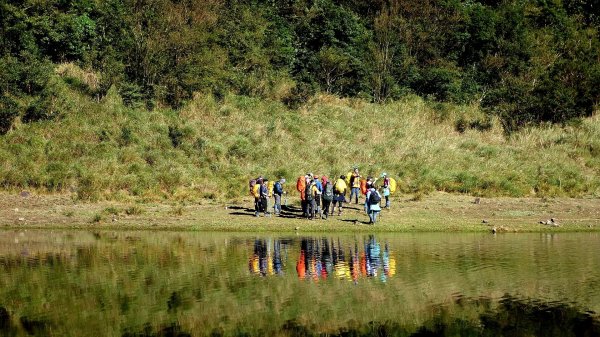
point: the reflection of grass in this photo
(201, 281)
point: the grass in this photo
(209, 149)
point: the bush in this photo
(9, 110)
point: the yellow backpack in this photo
(270, 185)
(340, 186)
(256, 191)
(392, 185)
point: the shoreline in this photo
(438, 212)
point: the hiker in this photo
(385, 189)
(339, 194)
(355, 184)
(310, 193)
(256, 194)
(264, 198)
(372, 201)
(318, 196)
(326, 197)
(301, 187)
(366, 186)
(277, 193)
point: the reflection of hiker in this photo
(277, 193)
(372, 204)
(301, 266)
(355, 184)
(277, 260)
(373, 251)
(339, 194)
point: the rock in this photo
(494, 230)
(551, 222)
(24, 194)
(477, 201)
(484, 221)
(21, 219)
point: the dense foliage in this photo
(525, 61)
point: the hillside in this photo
(209, 148)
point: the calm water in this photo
(68, 283)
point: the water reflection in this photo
(322, 258)
(203, 284)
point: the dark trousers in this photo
(326, 204)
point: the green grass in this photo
(209, 149)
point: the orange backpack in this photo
(301, 186)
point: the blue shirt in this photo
(319, 186)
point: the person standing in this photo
(339, 194)
(319, 186)
(316, 198)
(327, 197)
(355, 185)
(372, 200)
(264, 198)
(277, 193)
(301, 187)
(256, 194)
(385, 188)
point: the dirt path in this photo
(437, 212)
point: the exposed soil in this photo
(436, 212)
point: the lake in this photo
(112, 283)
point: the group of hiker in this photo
(319, 195)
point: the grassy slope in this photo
(209, 148)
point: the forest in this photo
(525, 62)
(188, 100)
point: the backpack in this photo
(392, 185)
(251, 185)
(340, 186)
(328, 193)
(308, 192)
(301, 184)
(255, 191)
(374, 198)
(277, 188)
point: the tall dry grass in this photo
(210, 148)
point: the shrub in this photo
(9, 110)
